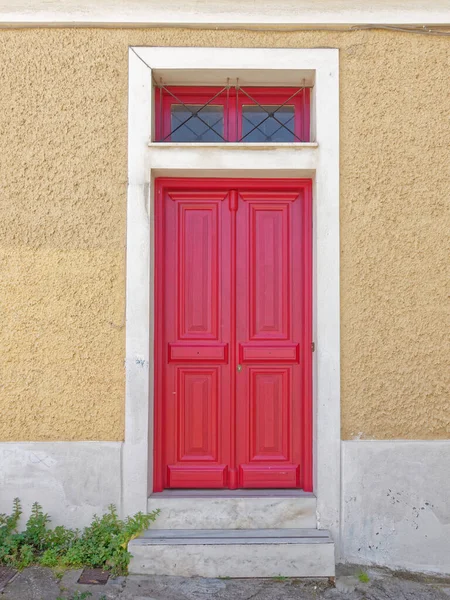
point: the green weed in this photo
(77, 596)
(363, 577)
(103, 544)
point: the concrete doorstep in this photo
(352, 583)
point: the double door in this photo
(233, 340)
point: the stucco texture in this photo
(63, 171)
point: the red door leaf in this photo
(233, 334)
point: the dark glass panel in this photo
(192, 123)
(258, 126)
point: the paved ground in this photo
(41, 584)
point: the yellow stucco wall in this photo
(63, 171)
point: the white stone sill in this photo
(240, 493)
(237, 160)
(236, 145)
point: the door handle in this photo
(239, 368)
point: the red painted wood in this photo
(271, 429)
(193, 273)
(232, 102)
(233, 206)
(276, 97)
(257, 353)
(197, 96)
(198, 352)
(233, 283)
(306, 295)
(261, 478)
(186, 477)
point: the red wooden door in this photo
(273, 337)
(233, 334)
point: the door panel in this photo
(198, 298)
(268, 269)
(269, 408)
(198, 407)
(233, 334)
(262, 353)
(269, 329)
(195, 417)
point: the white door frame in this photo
(319, 160)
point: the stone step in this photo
(233, 553)
(235, 510)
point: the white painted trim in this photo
(234, 158)
(320, 162)
(234, 145)
(326, 301)
(249, 62)
(287, 13)
(139, 371)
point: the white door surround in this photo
(319, 160)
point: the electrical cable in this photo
(423, 30)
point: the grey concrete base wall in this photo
(395, 494)
(396, 504)
(72, 480)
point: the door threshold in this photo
(253, 493)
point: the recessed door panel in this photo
(198, 424)
(269, 270)
(198, 252)
(269, 418)
(261, 353)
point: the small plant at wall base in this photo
(78, 596)
(103, 544)
(363, 577)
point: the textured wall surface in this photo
(63, 170)
(395, 508)
(72, 480)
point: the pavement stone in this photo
(32, 584)
(41, 584)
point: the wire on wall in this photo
(421, 30)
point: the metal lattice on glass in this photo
(193, 122)
(196, 123)
(233, 114)
(268, 123)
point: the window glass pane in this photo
(196, 123)
(268, 124)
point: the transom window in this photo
(232, 114)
